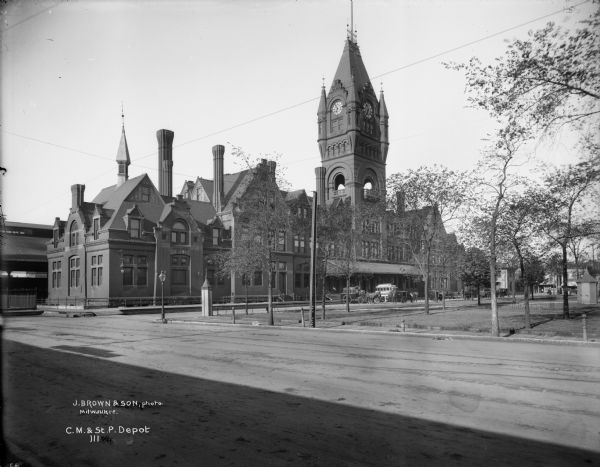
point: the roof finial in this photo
(351, 32)
(323, 79)
(122, 115)
(381, 88)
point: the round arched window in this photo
(339, 182)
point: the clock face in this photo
(368, 110)
(337, 107)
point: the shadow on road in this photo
(204, 422)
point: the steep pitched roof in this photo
(201, 211)
(114, 200)
(351, 70)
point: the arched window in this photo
(339, 182)
(74, 234)
(179, 233)
(369, 189)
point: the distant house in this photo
(24, 264)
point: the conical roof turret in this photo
(383, 113)
(123, 151)
(323, 103)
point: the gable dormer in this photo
(133, 221)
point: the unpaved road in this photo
(233, 395)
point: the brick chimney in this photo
(320, 182)
(218, 188)
(77, 192)
(165, 162)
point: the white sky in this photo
(218, 72)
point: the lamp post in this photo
(162, 276)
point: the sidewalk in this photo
(459, 318)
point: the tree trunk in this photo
(478, 296)
(246, 296)
(565, 278)
(348, 294)
(495, 322)
(525, 295)
(531, 291)
(323, 298)
(427, 266)
(270, 299)
(443, 300)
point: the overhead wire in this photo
(293, 106)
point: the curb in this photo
(435, 336)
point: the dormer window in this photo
(74, 234)
(133, 222)
(55, 236)
(134, 227)
(96, 228)
(179, 233)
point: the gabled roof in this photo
(201, 211)
(234, 187)
(114, 200)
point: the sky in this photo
(246, 73)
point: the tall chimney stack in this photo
(77, 192)
(218, 189)
(165, 162)
(320, 179)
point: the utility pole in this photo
(313, 250)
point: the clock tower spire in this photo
(352, 132)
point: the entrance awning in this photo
(366, 267)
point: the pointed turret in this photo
(383, 127)
(123, 160)
(322, 122)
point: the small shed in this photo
(587, 289)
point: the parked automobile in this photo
(387, 292)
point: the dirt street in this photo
(190, 394)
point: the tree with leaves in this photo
(562, 220)
(498, 178)
(548, 80)
(474, 270)
(518, 228)
(341, 241)
(262, 220)
(430, 197)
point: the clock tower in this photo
(353, 134)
